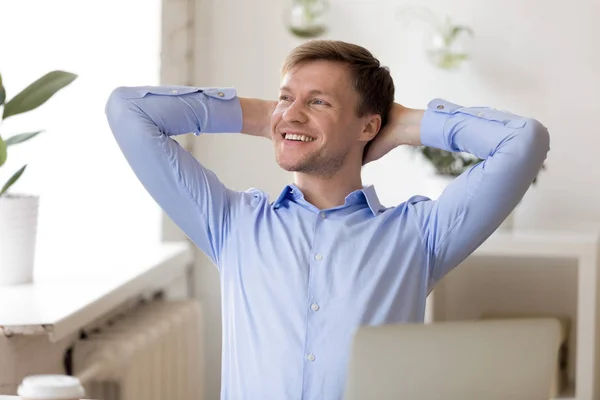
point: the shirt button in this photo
(310, 357)
(323, 215)
(314, 307)
(220, 94)
(440, 107)
(174, 91)
(318, 257)
(480, 114)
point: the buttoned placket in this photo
(318, 260)
(318, 257)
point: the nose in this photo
(295, 113)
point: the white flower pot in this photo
(18, 232)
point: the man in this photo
(300, 274)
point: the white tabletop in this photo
(81, 292)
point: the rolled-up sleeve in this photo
(513, 149)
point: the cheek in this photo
(275, 119)
(332, 131)
(278, 111)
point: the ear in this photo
(371, 128)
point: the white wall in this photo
(532, 57)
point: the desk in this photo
(59, 306)
(579, 249)
(38, 321)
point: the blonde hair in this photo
(369, 78)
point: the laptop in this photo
(508, 359)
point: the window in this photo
(89, 198)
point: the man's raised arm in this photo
(143, 119)
(513, 149)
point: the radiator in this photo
(154, 352)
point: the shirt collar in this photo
(372, 199)
(365, 195)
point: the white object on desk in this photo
(18, 234)
(52, 387)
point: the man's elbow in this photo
(117, 104)
(536, 137)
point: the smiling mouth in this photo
(298, 137)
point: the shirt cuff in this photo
(224, 111)
(433, 125)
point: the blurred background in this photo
(531, 57)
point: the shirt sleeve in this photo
(143, 121)
(513, 149)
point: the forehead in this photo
(326, 76)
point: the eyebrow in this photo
(312, 92)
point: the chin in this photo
(289, 162)
(289, 165)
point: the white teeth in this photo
(301, 138)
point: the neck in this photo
(329, 191)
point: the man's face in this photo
(315, 125)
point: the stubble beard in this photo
(324, 165)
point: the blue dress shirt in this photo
(296, 281)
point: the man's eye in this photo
(319, 102)
(284, 98)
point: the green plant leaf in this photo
(21, 137)
(2, 92)
(12, 180)
(453, 163)
(448, 163)
(38, 92)
(2, 152)
(458, 29)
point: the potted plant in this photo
(447, 166)
(18, 212)
(306, 19)
(446, 43)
